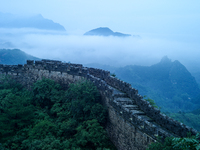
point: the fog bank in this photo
(114, 51)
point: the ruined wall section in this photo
(127, 129)
(172, 126)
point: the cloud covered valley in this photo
(115, 51)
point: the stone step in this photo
(145, 117)
(123, 95)
(131, 107)
(117, 93)
(137, 112)
(124, 101)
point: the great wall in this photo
(133, 123)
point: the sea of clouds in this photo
(114, 51)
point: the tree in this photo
(173, 143)
(151, 101)
(90, 135)
(46, 92)
(16, 112)
(85, 102)
(49, 118)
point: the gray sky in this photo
(166, 27)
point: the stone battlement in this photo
(136, 117)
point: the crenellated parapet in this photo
(133, 123)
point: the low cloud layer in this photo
(115, 51)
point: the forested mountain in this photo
(37, 119)
(169, 83)
(14, 57)
(104, 31)
(36, 21)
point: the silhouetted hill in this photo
(104, 31)
(37, 21)
(14, 57)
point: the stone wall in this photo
(133, 123)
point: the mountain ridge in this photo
(105, 31)
(14, 57)
(36, 21)
(171, 80)
(167, 82)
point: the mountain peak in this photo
(105, 31)
(36, 21)
(165, 59)
(39, 16)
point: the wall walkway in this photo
(133, 123)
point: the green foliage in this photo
(91, 135)
(47, 143)
(49, 118)
(84, 102)
(6, 82)
(173, 143)
(16, 110)
(46, 93)
(167, 145)
(151, 101)
(41, 129)
(196, 112)
(190, 119)
(113, 75)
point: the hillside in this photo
(169, 83)
(14, 57)
(36, 21)
(104, 31)
(51, 117)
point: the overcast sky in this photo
(166, 27)
(129, 16)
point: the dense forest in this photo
(47, 117)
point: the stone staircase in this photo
(139, 118)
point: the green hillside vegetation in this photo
(166, 85)
(14, 57)
(48, 117)
(171, 143)
(191, 119)
(169, 83)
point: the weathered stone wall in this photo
(133, 123)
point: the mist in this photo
(114, 51)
